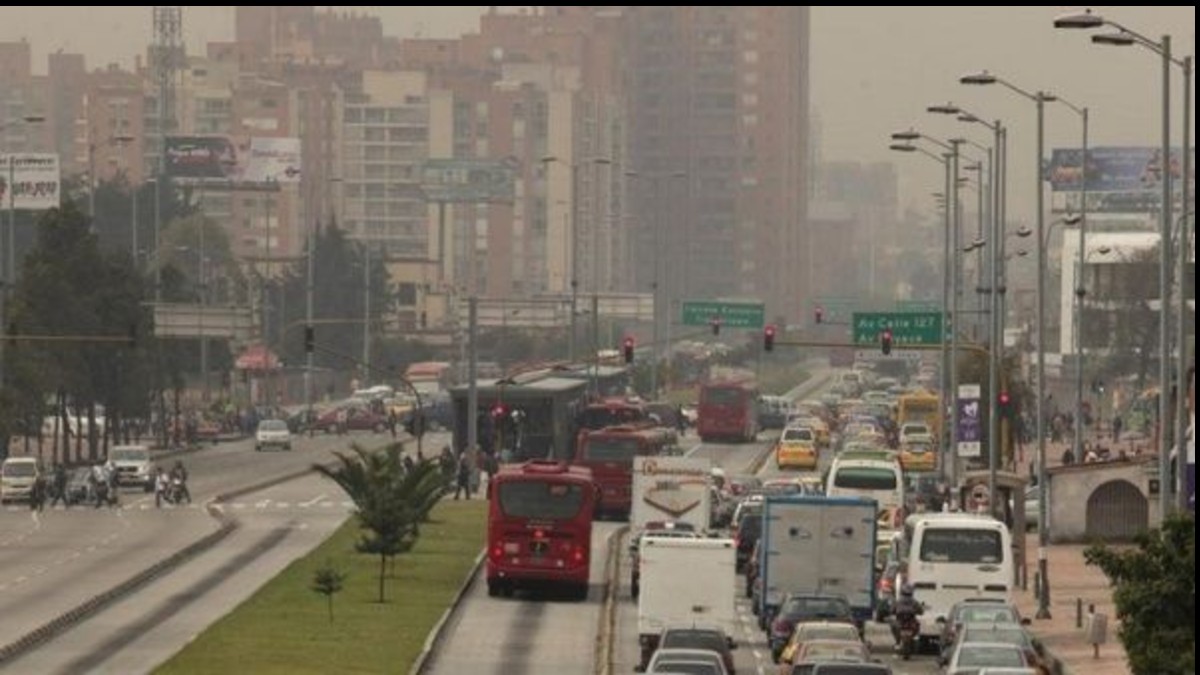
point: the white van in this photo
(953, 557)
(17, 476)
(877, 477)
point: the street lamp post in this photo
(9, 276)
(1162, 47)
(1039, 98)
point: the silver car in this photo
(272, 434)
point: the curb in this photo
(602, 660)
(437, 633)
(96, 603)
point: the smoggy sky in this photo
(874, 71)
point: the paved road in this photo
(55, 560)
(278, 525)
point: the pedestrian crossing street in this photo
(247, 505)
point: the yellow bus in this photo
(920, 407)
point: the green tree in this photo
(390, 500)
(328, 581)
(1155, 594)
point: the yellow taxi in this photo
(796, 449)
(918, 455)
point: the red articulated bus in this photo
(609, 454)
(727, 410)
(540, 528)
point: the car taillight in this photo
(497, 552)
(577, 555)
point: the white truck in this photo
(820, 545)
(685, 583)
(671, 489)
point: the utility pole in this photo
(472, 374)
(366, 352)
(595, 344)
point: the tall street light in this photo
(9, 276)
(1126, 37)
(950, 245)
(1039, 98)
(1080, 291)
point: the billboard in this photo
(258, 159)
(35, 177)
(1110, 169)
(468, 180)
(970, 422)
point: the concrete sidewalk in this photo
(1072, 580)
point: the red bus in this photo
(609, 454)
(610, 413)
(727, 410)
(540, 528)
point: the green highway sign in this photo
(908, 328)
(730, 314)
(917, 306)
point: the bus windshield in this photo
(599, 418)
(610, 449)
(961, 545)
(723, 396)
(865, 478)
(540, 500)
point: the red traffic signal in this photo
(715, 322)
(499, 410)
(627, 349)
(885, 341)
(769, 338)
(819, 314)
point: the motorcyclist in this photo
(907, 609)
(180, 473)
(162, 483)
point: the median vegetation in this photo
(288, 627)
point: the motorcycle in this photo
(176, 492)
(910, 628)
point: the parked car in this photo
(272, 434)
(357, 419)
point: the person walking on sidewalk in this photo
(462, 483)
(1117, 424)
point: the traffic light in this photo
(885, 341)
(1005, 401)
(627, 349)
(819, 314)
(310, 339)
(715, 322)
(769, 338)
(499, 411)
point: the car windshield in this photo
(723, 396)
(865, 478)
(837, 631)
(833, 650)
(688, 667)
(1011, 634)
(272, 425)
(610, 449)
(695, 639)
(822, 608)
(129, 455)
(961, 545)
(981, 612)
(798, 435)
(19, 469)
(988, 656)
(544, 501)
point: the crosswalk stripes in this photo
(261, 505)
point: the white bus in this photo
(873, 475)
(953, 557)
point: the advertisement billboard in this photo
(258, 159)
(35, 179)
(1110, 169)
(970, 421)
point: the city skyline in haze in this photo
(873, 71)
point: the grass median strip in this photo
(285, 626)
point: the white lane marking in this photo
(238, 505)
(262, 504)
(313, 502)
(693, 449)
(757, 654)
(281, 505)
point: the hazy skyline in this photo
(873, 69)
